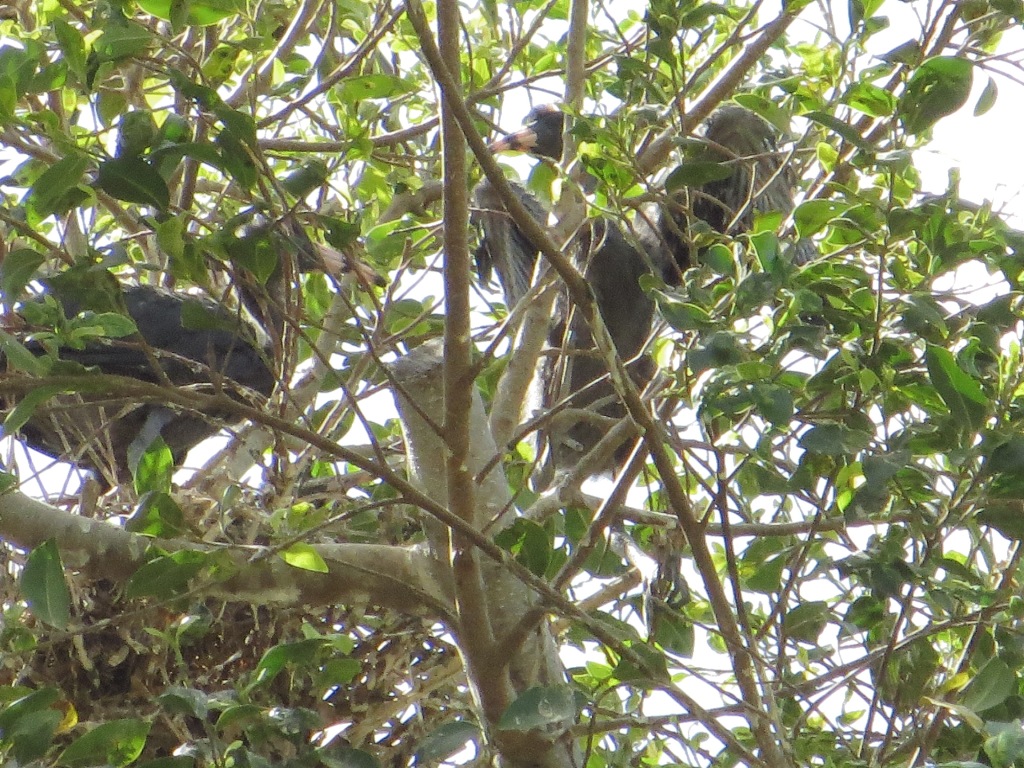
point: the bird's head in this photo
(541, 134)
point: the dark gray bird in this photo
(759, 182)
(186, 341)
(734, 137)
(612, 263)
(541, 134)
(504, 249)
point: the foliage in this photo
(844, 436)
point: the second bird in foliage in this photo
(181, 340)
(613, 260)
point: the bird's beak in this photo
(339, 265)
(521, 141)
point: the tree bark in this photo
(506, 650)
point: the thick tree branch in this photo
(499, 598)
(400, 578)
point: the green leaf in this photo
(201, 13)
(774, 403)
(133, 180)
(8, 482)
(236, 160)
(540, 707)
(674, 632)
(871, 100)
(111, 325)
(336, 755)
(811, 217)
(17, 269)
(32, 735)
(696, 173)
(20, 358)
(879, 469)
(176, 700)
(682, 316)
(238, 716)
(157, 514)
(865, 612)
(121, 39)
(1006, 517)
(385, 241)
(373, 86)
(167, 575)
(530, 543)
(987, 99)
(445, 741)
(239, 125)
(845, 130)
(153, 467)
(36, 701)
(42, 583)
(299, 654)
(26, 407)
(166, 158)
(72, 45)
(807, 621)
(833, 440)
(939, 87)
(959, 391)
(1005, 746)
(175, 129)
(718, 350)
(768, 576)
(56, 187)
(303, 556)
(136, 132)
(994, 684)
(117, 743)
(308, 177)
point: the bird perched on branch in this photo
(180, 340)
(753, 179)
(612, 261)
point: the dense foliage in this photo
(813, 558)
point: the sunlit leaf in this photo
(939, 87)
(200, 12)
(303, 556)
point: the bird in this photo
(611, 261)
(541, 134)
(183, 340)
(504, 249)
(734, 136)
(759, 182)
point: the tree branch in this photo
(401, 578)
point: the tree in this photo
(828, 474)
